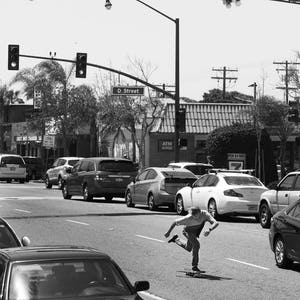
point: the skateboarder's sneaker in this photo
(173, 239)
(196, 269)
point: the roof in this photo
(51, 252)
(203, 118)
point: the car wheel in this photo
(265, 216)
(212, 209)
(151, 202)
(108, 198)
(179, 205)
(86, 194)
(48, 184)
(21, 180)
(8, 180)
(282, 261)
(128, 199)
(60, 183)
(65, 192)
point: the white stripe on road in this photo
(81, 223)
(149, 238)
(151, 295)
(22, 210)
(248, 264)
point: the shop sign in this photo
(165, 145)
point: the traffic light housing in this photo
(180, 119)
(293, 114)
(81, 60)
(13, 57)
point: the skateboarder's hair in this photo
(195, 210)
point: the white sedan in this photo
(222, 193)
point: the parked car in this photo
(8, 237)
(35, 167)
(197, 168)
(12, 167)
(63, 272)
(284, 193)
(157, 186)
(222, 193)
(284, 235)
(99, 177)
(57, 173)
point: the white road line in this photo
(151, 295)
(248, 264)
(81, 223)
(22, 210)
(149, 238)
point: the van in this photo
(12, 167)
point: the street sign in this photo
(49, 141)
(128, 90)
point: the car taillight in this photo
(232, 193)
(99, 177)
(163, 185)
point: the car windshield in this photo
(72, 162)
(70, 279)
(116, 166)
(198, 170)
(242, 180)
(177, 174)
(7, 239)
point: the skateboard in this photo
(191, 273)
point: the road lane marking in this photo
(28, 198)
(151, 295)
(81, 223)
(22, 210)
(149, 238)
(248, 264)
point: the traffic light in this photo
(81, 59)
(180, 119)
(293, 114)
(13, 57)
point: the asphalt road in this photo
(236, 256)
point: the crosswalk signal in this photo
(13, 57)
(180, 119)
(81, 59)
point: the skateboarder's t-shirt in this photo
(191, 221)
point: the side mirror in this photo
(141, 285)
(25, 241)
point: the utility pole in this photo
(224, 77)
(286, 79)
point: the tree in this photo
(4, 95)
(216, 96)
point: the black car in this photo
(35, 167)
(99, 177)
(63, 272)
(8, 238)
(284, 235)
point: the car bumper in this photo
(164, 198)
(237, 206)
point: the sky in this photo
(248, 38)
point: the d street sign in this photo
(128, 90)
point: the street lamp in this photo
(176, 96)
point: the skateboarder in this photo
(193, 224)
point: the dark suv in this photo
(99, 177)
(35, 167)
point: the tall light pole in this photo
(108, 5)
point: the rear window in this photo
(33, 160)
(72, 162)
(198, 170)
(241, 180)
(178, 174)
(14, 160)
(116, 166)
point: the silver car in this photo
(157, 186)
(57, 173)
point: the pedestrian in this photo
(193, 224)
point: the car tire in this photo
(8, 180)
(212, 209)
(60, 182)
(48, 184)
(65, 191)
(179, 205)
(128, 199)
(108, 198)
(281, 259)
(265, 215)
(86, 194)
(21, 180)
(151, 202)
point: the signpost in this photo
(49, 141)
(128, 90)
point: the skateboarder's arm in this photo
(214, 223)
(170, 229)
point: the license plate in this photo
(119, 179)
(13, 168)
